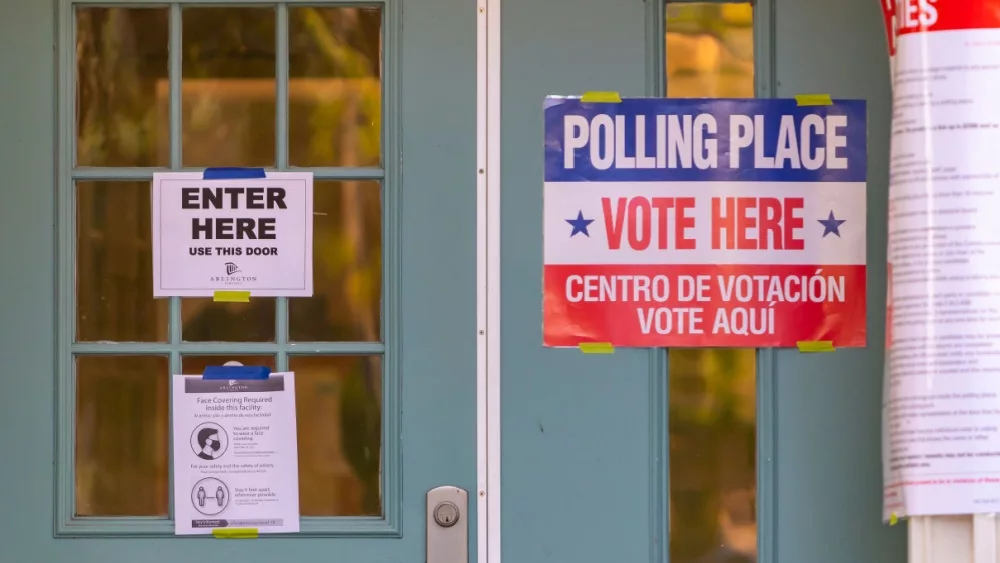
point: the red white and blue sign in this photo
(704, 222)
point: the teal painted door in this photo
(591, 437)
(377, 101)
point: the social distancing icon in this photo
(210, 496)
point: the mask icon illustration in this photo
(209, 441)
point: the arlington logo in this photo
(236, 385)
(231, 278)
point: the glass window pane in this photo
(228, 87)
(194, 365)
(121, 68)
(713, 455)
(713, 464)
(114, 265)
(347, 266)
(709, 50)
(121, 436)
(339, 410)
(204, 320)
(334, 88)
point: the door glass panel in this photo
(121, 126)
(709, 50)
(339, 411)
(206, 321)
(121, 436)
(228, 89)
(114, 265)
(347, 266)
(713, 476)
(195, 365)
(334, 87)
(713, 465)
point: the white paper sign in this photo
(941, 444)
(240, 235)
(235, 454)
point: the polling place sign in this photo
(704, 222)
(241, 234)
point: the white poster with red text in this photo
(941, 451)
(722, 223)
(889, 19)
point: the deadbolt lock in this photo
(446, 514)
(447, 543)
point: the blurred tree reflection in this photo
(709, 50)
(712, 452)
(334, 120)
(125, 446)
(709, 53)
(121, 55)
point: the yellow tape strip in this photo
(814, 100)
(232, 296)
(893, 519)
(597, 348)
(604, 97)
(235, 533)
(815, 346)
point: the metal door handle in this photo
(447, 525)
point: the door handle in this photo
(447, 525)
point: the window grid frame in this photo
(67, 524)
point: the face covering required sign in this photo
(242, 234)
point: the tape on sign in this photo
(235, 533)
(814, 100)
(231, 296)
(597, 348)
(815, 346)
(602, 97)
(232, 173)
(893, 519)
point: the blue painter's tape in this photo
(223, 173)
(256, 373)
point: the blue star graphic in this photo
(831, 225)
(579, 224)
